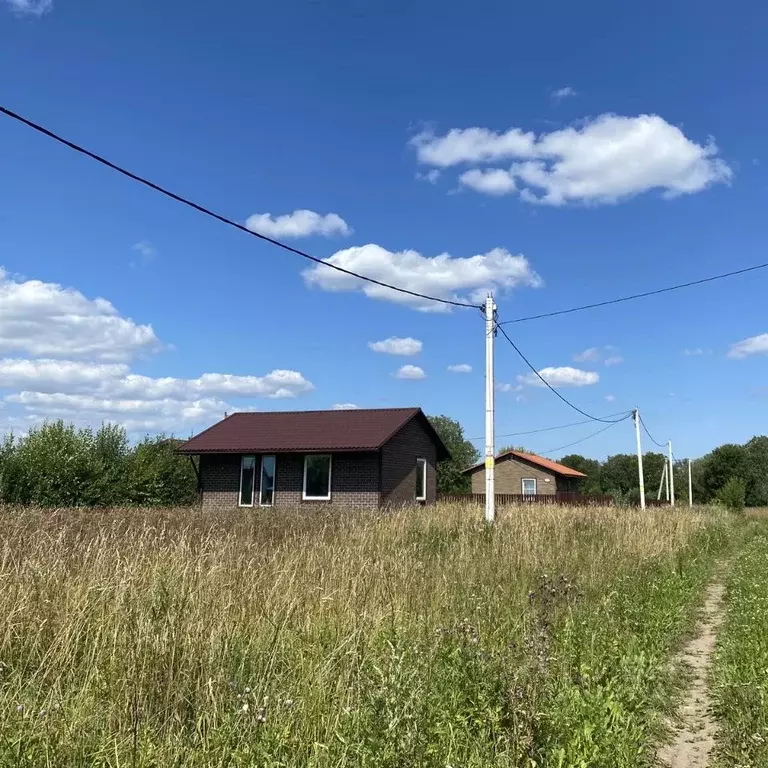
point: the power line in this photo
(201, 209)
(550, 429)
(583, 439)
(548, 385)
(637, 295)
(653, 440)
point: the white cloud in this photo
(595, 354)
(563, 93)
(134, 414)
(590, 355)
(504, 387)
(59, 375)
(492, 182)
(146, 252)
(396, 346)
(30, 7)
(472, 145)
(95, 383)
(411, 372)
(431, 176)
(93, 392)
(301, 223)
(345, 407)
(696, 352)
(755, 345)
(48, 320)
(443, 276)
(600, 160)
(460, 368)
(564, 376)
(114, 381)
(610, 398)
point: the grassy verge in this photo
(740, 674)
(413, 639)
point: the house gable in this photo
(509, 474)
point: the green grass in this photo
(740, 672)
(421, 638)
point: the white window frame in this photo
(421, 463)
(274, 480)
(535, 486)
(243, 457)
(304, 496)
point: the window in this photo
(267, 485)
(421, 479)
(247, 472)
(529, 486)
(317, 477)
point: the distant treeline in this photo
(728, 471)
(59, 465)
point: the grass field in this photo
(740, 677)
(172, 638)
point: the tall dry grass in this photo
(143, 638)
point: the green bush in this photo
(733, 494)
(58, 465)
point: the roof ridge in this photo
(321, 410)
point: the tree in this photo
(653, 471)
(718, 467)
(450, 477)
(157, 475)
(619, 474)
(589, 467)
(732, 494)
(757, 471)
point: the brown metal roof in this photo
(307, 431)
(552, 466)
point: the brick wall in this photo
(509, 476)
(398, 465)
(219, 480)
(354, 480)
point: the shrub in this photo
(733, 494)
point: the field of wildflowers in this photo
(421, 638)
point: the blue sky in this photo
(614, 150)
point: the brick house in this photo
(345, 458)
(527, 474)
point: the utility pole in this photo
(671, 476)
(490, 450)
(666, 479)
(636, 416)
(690, 485)
(661, 482)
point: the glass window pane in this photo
(267, 493)
(246, 480)
(529, 486)
(421, 471)
(317, 482)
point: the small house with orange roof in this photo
(527, 474)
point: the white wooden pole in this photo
(661, 482)
(490, 451)
(666, 479)
(639, 459)
(671, 476)
(690, 485)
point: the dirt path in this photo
(694, 735)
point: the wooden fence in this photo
(561, 497)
